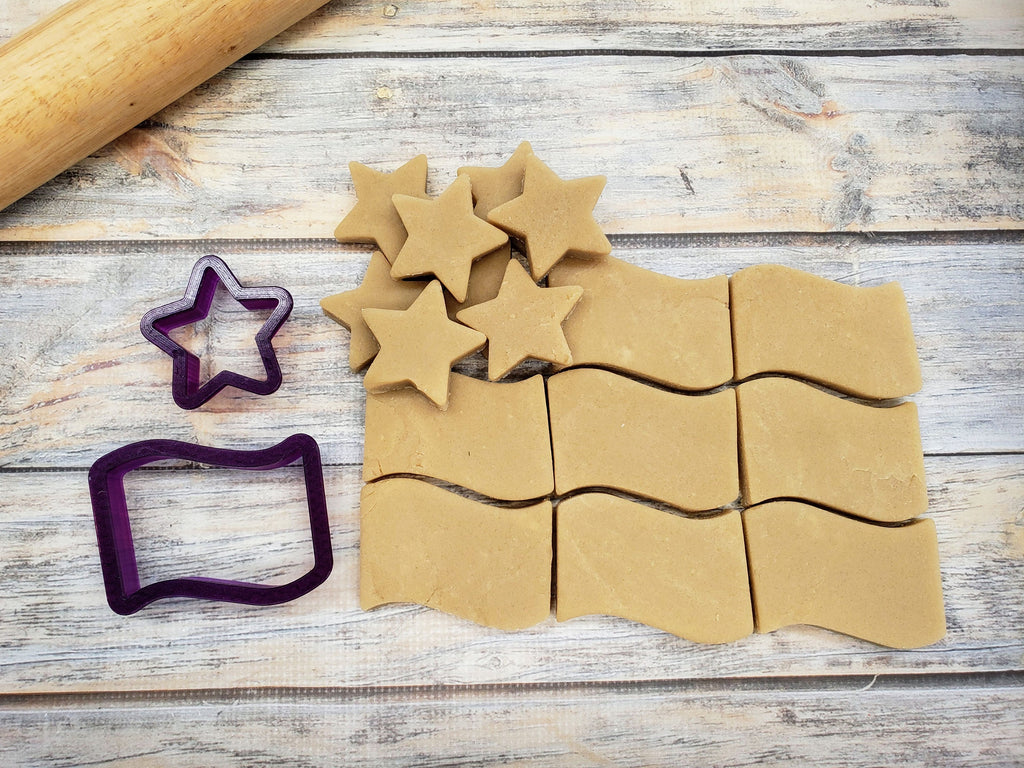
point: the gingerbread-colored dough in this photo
(687, 576)
(445, 237)
(374, 218)
(553, 218)
(493, 439)
(613, 432)
(799, 442)
(378, 290)
(523, 321)
(672, 331)
(852, 339)
(875, 582)
(418, 346)
(495, 186)
(423, 544)
(484, 280)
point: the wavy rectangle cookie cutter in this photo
(117, 547)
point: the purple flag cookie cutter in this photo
(117, 547)
(207, 273)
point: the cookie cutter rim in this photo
(126, 595)
(207, 273)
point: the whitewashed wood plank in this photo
(59, 634)
(372, 26)
(689, 144)
(80, 379)
(581, 727)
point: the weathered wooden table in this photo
(865, 142)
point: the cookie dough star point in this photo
(374, 219)
(418, 346)
(523, 321)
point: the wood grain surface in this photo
(735, 144)
(863, 142)
(444, 26)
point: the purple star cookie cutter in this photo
(207, 273)
(117, 547)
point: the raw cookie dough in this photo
(422, 544)
(672, 331)
(855, 340)
(523, 321)
(445, 237)
(374, 219)
(494, 186)
(553, 218)
(613, 432)
(379, 290)
(687, 576)
(493, 438)
(875, 582)
(418, 346)
(484, 280)
(799, 442)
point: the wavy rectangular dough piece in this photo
(799, 442)
(687, 576)
(879, 583)
(422, 544)
(853, 339)
(672, 331)
(493, 438)
(610, 431)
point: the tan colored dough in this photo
(378, 290)
(493, 439)
(672, 331)
(687, 576)
(799, 442)
(523, 321)
(484, 280)
(613, 432)
(445, 237)
(875, 582)
(495, 186)
(418, 346)
(374, 218)
(553, 218)
(852, 339)
(423, 544)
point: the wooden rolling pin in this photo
(81, 77)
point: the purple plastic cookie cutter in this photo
(117, 548)
(207, 273)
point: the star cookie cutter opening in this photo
(207, 274)
(117, 547)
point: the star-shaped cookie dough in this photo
(378, 290)
(494, 186)
(523, 321)
(444, 237)
(374, 218)
(554, 217)
(418, 346)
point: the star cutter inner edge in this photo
(207, 274)
(125, 595)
